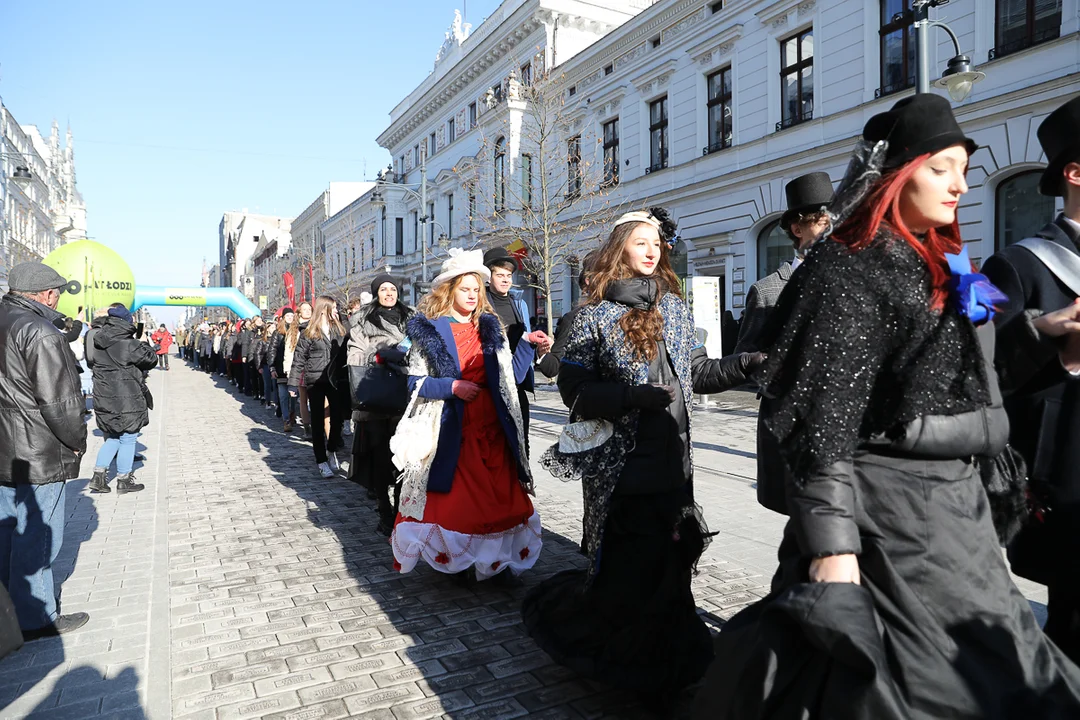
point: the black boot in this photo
(126, 484)
(100, 482)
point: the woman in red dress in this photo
(467, 504)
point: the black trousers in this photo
(523, 398)
(163, 360)
(373, 463)
(1063, 619)
(318, 395)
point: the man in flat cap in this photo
(42, 440)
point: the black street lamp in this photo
(958, 78)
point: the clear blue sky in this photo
(182, 111)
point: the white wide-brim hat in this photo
(462, 262)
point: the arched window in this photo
(774, 249)
(500, 174)
(1019, 209)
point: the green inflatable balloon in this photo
(97, 277)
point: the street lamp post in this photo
(422, 215)
(958, 78)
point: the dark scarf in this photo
(389, 317)
(640, 293)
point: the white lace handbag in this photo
(578, 437)
(417, 435)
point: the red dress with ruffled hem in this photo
(488, 518)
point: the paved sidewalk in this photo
(241, 584)
(113, 565)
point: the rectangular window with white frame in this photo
(658, 135)
(573, 166)
(611, 152)
(451, 131)
(897, 49)
(472, 115)
(526, 180)
(720, 110)
(796, 79)
(1019, 24)
(450, 215)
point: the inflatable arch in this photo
(98, 276)
(195, 297)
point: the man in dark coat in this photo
(121, 399)
(42, 440)
(511, 310)
(804, 222)
(1041, 379)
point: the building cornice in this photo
(777, 14)
(490, 50)
(718, 43)
(630, 47)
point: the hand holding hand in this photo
(1070, 354)
(1060, 322)
(538, 337)
(650, 397)
(835, 568)
(466, 390)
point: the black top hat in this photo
(805, 194)
(499, 255)
(915, 126)
(1059, 135)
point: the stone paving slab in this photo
(108, 566)
(241, 584)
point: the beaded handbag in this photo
(578, 437)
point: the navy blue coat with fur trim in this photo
(434, 340)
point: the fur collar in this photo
(432, 347)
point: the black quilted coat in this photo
(121, 400)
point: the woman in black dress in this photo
(631, 358)
(892, 599)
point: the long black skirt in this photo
(635, 626)
(959, 640)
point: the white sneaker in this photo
(325, 470)
(344, 466)
(332, 461)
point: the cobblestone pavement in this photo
(241, 584)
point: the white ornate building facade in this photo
(710, 107)
(239, 234)
(40, 205)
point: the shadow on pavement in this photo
(465, 643)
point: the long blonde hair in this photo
(324, 305)
(440, 300)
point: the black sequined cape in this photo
(857, 352)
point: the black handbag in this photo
(11, 638)
(381, 389)
(1005, 478)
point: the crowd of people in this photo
(915, 417)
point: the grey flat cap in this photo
(34, 277)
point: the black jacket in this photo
(41, 402)
(550, 363)
(660, 459)
(121, 399)
(1043, 402)
(321, 360)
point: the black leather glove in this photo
(650, 397)
(390, 355)
(749, 362)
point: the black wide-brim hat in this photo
(915, 126)
(806, 194)
(1059, 135)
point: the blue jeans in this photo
(31, 533)
(290, 406)
(122, 448)
(268, 385)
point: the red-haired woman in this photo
(892, 599)
(632, 358)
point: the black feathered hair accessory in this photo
(659, 218)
